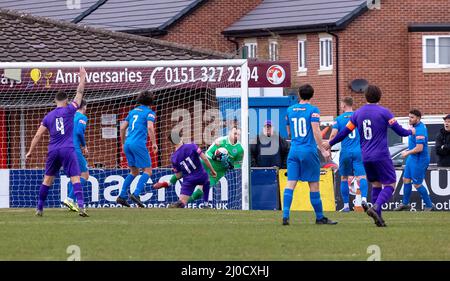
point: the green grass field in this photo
(193, 234)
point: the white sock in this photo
(346, 205)
(363, 199)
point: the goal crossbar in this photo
(102, 64)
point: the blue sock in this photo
(70, 192)
(407, 188)
(316, 202)
(345, 193)
(287, 201)
(126, 185)
(141, 183)
(425, 196)
(363, 187)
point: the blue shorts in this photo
(303, 165)
(350, 164)
(415, 169)
(81, 161)
(137, 156)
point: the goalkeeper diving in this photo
(226, 153)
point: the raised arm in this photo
(80, 89)
(399, 130)
(393, 124)
(40, 132)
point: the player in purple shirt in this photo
(372, 121)
(61, 151)
(187, 165)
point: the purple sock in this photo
(43, 192)
(79, 194)
(375, 192)
(206, 189)
(384, 197)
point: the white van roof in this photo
(426, 119)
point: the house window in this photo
(436, 51)
(251, 50)
(326, 54)
(302, 55)
(273, 50)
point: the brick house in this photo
(197, 23)
(330, 43)
(403, 46)
(31, 38)
(203, 26)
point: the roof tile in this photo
(111, 14)
(30, 38)
(273, 14)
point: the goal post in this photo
(245, 138)
(185, 100)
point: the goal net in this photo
(185, 100)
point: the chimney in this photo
(374, 4)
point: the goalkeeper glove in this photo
(230, 165)
(226, 162)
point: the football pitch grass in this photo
(194, 234)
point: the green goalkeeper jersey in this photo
(235, 155)
(235, 151)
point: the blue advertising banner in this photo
(103, 189)
(264, 189)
